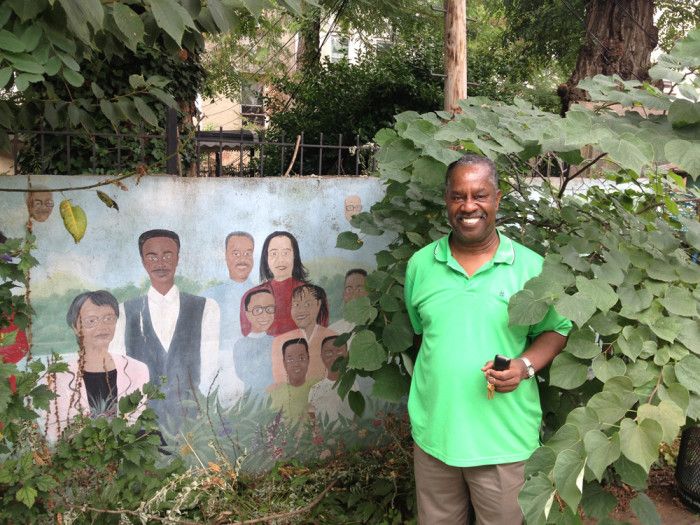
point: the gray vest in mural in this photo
(181, 363)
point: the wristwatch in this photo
(529, 367)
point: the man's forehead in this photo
(239, 239)
(164, 243)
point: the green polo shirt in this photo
(464, 323)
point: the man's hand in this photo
(505, 380)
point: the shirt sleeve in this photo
(552, 322)
(209, 345)
(408, 297)
(118, 345)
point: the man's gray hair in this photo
(238, 234)
(472, 159)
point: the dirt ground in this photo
(662, 491)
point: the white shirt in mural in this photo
(164, 311)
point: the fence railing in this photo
(222, 153)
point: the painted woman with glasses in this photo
(252, 357)
(97, 379)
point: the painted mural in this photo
(227, 294)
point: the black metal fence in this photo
(222, 153)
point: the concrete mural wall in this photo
(231, 289)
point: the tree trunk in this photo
(620, 36)
(455, 51)
(308, 53)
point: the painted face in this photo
(354, 287)
(160, 257)
(239, 258)
(472, 203)
(261, 311)
(330, 353)
(97, 325)
(305, 308)
(353, 206)
(296, 363)
(280, 257)
(40, 205)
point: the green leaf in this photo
(31, 37)
(568, 476)
(609, 272)
(171, 17)
(602, 451)
(80, 13)
(365, 352)
(676, 393)
(110, 112)
(688, 372)
(645, 510)
(610, 407)
(429, 172)
(582, 344)
(73, 77)
(634, 300)
(639, 442)
(683, 113)
(666, 328)
(420, 132)
(146, 112)
(556, 271)
(599, 291)
(605, 368)
(541, 460)
(525, 310)
(9, 42)
(5, 75)
(689, 335)
(398, 334)
(357, 402)
(129, 24)
(137, 81)
(578, 308)
(567, 372)
(605, 323)
(631, 473)
(384, 136)
(359, 311)
(669, 415)
(390, 383)
(26, 63)
(536, 499)
(679, 301)
(628, 151)
(597, 502)
(396, 155)
(684, 154)
(348, 241)
(26, 495)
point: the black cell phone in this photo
(501, 362)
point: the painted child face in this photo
(261, 311)
(97, 325)
(280, 257)
(305, 308)
(354, 287)
(296, 363)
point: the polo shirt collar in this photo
(505, 253)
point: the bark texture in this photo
(308, 53)
(455, 51)
(620, 36)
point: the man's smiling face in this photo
(160, 256)
(239, 258)
(472, 203)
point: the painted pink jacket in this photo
(132, 375)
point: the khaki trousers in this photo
(444, 492)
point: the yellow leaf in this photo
(74, 219)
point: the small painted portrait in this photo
(292, 396)
(353, 206)
(97, 379)
(281, 270)
(252, 356)
(324, 401)
(238, 253)
(353, 287)
(175, 333)
(40, 205)
(310, 314)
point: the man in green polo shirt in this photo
(467, 446)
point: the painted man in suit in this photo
(175, 333)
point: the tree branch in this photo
(106, 182)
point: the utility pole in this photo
(455, 51)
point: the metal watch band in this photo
(528, 365)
